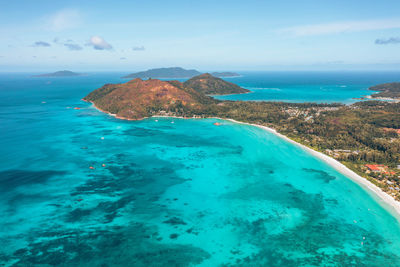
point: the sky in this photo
(205, 35)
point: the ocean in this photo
(81, 188)
(319, 87)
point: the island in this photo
(167, 73)
(364, 136)
(386, 91)
(174, 73)
(63, 73)
(210, 85)
(225, 74)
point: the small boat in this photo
(76, 108)
(217, 124)
(91, 167)
(103, 165)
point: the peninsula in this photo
(63, 73)
(363, 136)
(387, 90)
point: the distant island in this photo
(173, 73)
(364, 136)
(225, 74)
(63, 73)
(386, 90)
(170, 73)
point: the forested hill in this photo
(210, 85)
(389, 90)
(169, 73)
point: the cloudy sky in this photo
(206, 35)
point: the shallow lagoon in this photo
(170, 194)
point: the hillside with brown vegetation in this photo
(138, 98)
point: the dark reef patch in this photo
(126, 246)
(173, 236)
(175, 221)
(142, 132)
(78, 215)
(306, 237)
(11, 179)
(307, 240)
(285, 194)
(320, 175)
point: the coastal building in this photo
(376, 167)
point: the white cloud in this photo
(342, 27)
(64, 19)
(138, 48)
(99, 43)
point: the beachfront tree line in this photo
(359, 128)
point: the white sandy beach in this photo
(386, 199)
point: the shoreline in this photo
(392, 204)
(384, 199)
(111, 114)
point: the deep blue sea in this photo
(177, 192)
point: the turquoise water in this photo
(172, 192)
(321, 87)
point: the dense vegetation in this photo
(387, 90)
(210, 85)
